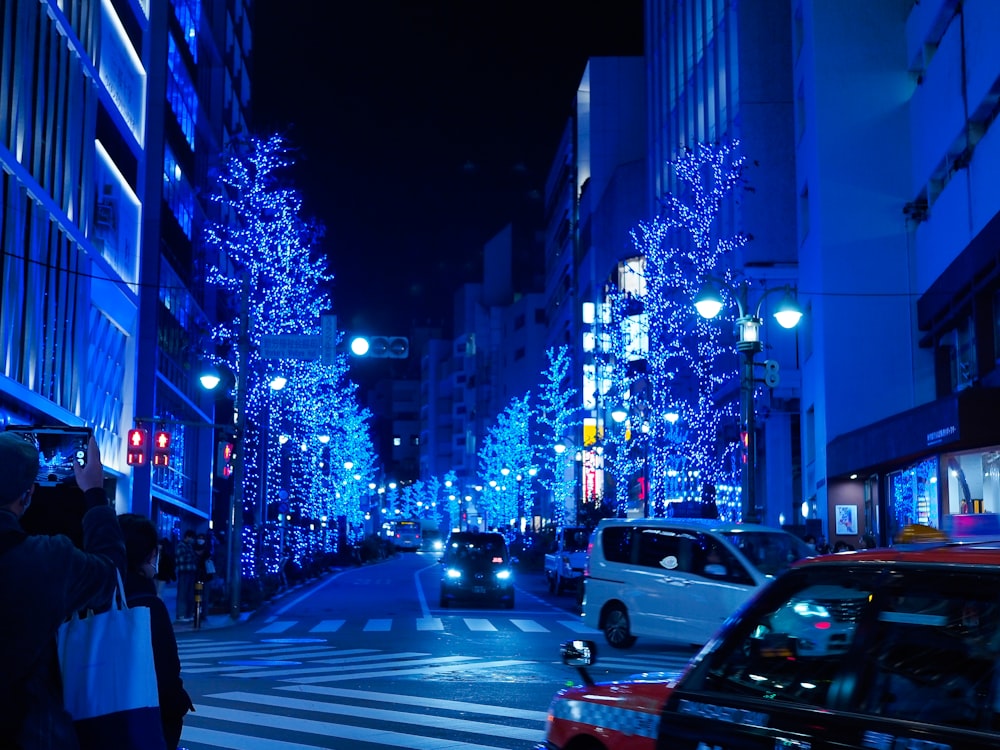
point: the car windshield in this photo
(771, 552)
(575, 540)
(486, 550)
(917, 644)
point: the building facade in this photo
(113, 115)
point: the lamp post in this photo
(709, 303)
(234, 566)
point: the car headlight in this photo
(503, 575)
(438, 545)
(453, 573)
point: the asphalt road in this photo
(366, 659)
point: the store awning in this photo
(961, 421)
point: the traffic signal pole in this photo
(234, 566)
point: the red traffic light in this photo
(161, 448)
(137, 447)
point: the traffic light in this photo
(161, 448)
(138, 447)
(391, 347)
(224, 460)
(772, 375)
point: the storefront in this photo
(925, 466)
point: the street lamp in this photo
(709, 304)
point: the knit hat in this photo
(19, 463)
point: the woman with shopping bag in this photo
(140, 591)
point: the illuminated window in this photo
(181, 93)
(177, 192)
(397, 440)
(188, 14)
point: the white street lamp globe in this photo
(708, 303)
(788, 313)
(360, 346)
(209, 380)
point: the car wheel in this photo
(509, 603)
(616, 631)
(444, 602)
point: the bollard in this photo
(198, 587)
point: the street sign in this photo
(290, 346)
(302, 345)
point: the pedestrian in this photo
(43, 581)
(166, 569)
(142, 551)
(186, 564)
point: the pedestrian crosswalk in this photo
(309, 661)
(565, 626)
(287, 693)
(311, 717)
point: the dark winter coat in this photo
(174, 700)
(166, 567)
(44, 580)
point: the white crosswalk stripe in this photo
(430, 623)
(245, 720)
(327, 626)
(322, 664)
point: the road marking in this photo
(480, 625)
(278, 626)
(423, 720)
(578, 627)
(231, 741)
(530, 626)
(413, 700)
(325, 729)
(406, 672)
(430, 623)
(327, 626)
(378, 626)
(352, 664)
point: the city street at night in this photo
(364, 658)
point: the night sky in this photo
(422, 128)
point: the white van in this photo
(678, 579)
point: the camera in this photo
(59, 447)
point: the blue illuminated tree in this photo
(265, 256)
(506, 461)
(556, 439)
(687, 361)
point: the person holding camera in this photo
(43, 581)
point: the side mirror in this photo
(578, 653)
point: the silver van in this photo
(678, 579)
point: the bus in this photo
(407, 535)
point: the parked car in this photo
(477, 566)
(888, 648)
(678, 579)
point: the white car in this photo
(678, 579)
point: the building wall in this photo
(72, 138)
(83, 193)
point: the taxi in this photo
(886, 649)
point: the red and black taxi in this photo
(887, 649)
